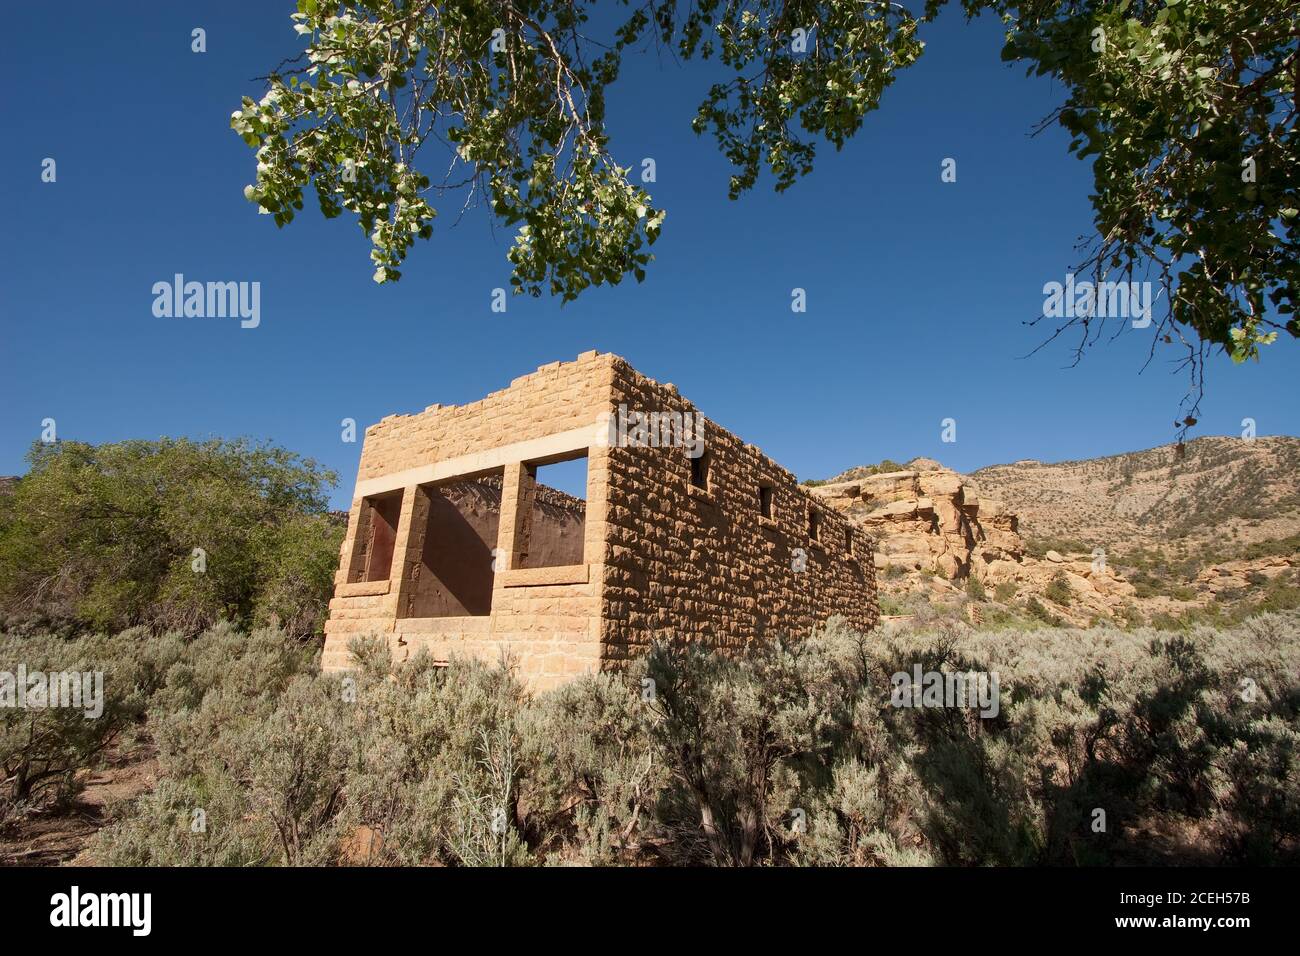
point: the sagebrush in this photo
(790, 754)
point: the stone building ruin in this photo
(456, 545)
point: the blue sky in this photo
(918, 290)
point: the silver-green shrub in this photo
(1107, 747)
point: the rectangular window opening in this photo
(553, 508)
(700, 471)
(848, 540)
(814, 523)
(765, 500)
(372, 553)
(457, 539)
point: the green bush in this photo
(1058, 589)
(890, 606)
(1038, 610)
(975, 589)
(592, 794)
(171, 534)
(1005, 592)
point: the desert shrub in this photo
(791, 752)
(997, 617)
(855, 822)
(186, 822)
(439, 761)
(892, 606)
(1058, 589)
(592, 793)
(1280, 594)
(225, 680)
(743, 736)
(247, 732)
(43, 747)
(1151, 728)
(1038, 547)
(975, 589)
(1129, 615)
(1005, 592)
(1038, 610)
(265, 791)
(105, 537)
(1257, 791)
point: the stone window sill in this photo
(362, 589)
(701, 494)
(535, 577)
(768, 523)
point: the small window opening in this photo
(765, 500)
(848, 540)
(814, 523)
(700, 471)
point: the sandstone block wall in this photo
(651, 556)
(705, 562)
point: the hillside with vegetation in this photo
(1205, 531)
(1215, 496)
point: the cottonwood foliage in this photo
(1186, 109)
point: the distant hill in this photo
(1168, 532)
(1216, 491)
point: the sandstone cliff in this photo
(1159, 532)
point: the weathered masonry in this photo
(456, 545)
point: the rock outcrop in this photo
(928, 519)
(1166, 531)
(931, 522)
(1223, 581)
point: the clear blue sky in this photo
(918, 290)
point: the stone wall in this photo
(705, 563)
(657, 556)
(548, 619)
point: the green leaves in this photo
(1189, 112)
(1169, 101)
(105, 536)
(516, 96)
(513, 96)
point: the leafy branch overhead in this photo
(394, 106)
(1187, 109)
